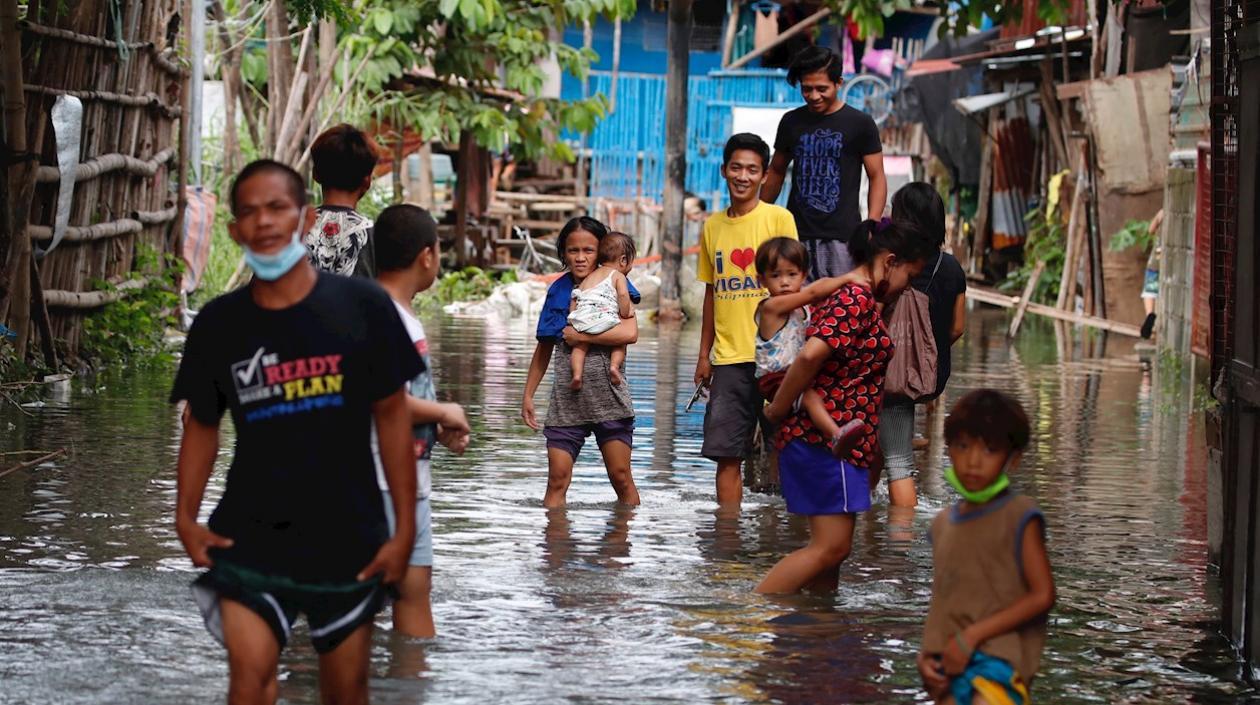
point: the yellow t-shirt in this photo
(728, 248)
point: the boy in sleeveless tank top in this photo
(991, 580)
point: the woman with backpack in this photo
(921, 368)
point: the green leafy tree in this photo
(439, 67)
(869, 15)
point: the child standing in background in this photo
(991, 581)
(727, 266)
(342, 160)
(601, 301)
(408, 256)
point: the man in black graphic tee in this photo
(828, 145)
(304, 362)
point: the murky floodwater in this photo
(600, 604)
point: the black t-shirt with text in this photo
(942, 291)
(301, 499)
(826, 153)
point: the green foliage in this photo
(470, 284)
(1046, 243)
(1135, 233)
(869, 14)
(131, 330)
(470, 52)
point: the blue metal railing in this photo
(628, 146)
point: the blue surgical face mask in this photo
(272, 267)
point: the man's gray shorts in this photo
(731, 415)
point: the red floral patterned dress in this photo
(851, 381)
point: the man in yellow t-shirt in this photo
(728, 246)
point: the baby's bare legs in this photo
(841, 442)
(616, 359)
(577, 358)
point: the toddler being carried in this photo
(601, 301)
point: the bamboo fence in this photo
(119, 58)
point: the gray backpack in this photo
(912, 370)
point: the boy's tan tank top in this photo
(977, 570)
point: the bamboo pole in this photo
(15, 273)
(93, 299)
(281, 68)
(794, 30)
(337, 105)
(106, 163)
(1026, 298)
(308, 115)
(146, 100)
(993, 298)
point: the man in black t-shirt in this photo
(305, 362)
(828, 145)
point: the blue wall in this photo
(642, 48)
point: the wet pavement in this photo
(601, 604)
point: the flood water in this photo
(599, 604)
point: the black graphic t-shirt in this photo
(826, 153)
(301, 499)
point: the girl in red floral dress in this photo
(844, 359)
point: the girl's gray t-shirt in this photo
(599, 399)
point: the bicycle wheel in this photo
(870, 94)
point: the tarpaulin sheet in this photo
(198, 232)
(956, 139)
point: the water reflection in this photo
(600, 603)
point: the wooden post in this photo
(980, 237)
(1075, 228)
(424, 185)
(1096, 281)
(397, 161)
(1054, 123)
(463, 173)
(1026, 298)
(39, 312)
(588, 38)
(678, 41)
(728, 39)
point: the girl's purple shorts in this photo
(815, 482)
(570, 439)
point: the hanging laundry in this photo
(765, 23)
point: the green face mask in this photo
(979, 496)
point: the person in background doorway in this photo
(828, 144)
(408, 256)
(945, 284)
(728, 332)
(1150, 285)
(343, 159)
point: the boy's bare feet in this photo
(615, 375)
(846, 438)
(576, 384)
